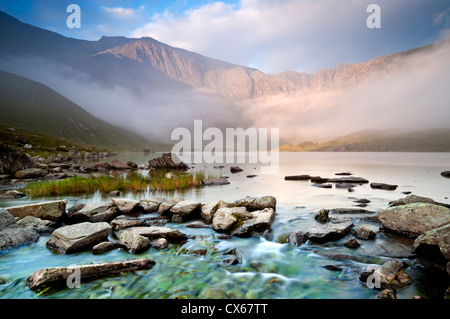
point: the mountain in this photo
(147, 64)
(34, 107)
(431, 140)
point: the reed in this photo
(156, 181)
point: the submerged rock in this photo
(364, 233)
(74, 238)
(122, 223)
(335, 229)
(235, 169)
(322, 185)
(215, 181)
(414, 219)
(352, 243)
(167, 160)
(445, 174)
(60, 275)
(383, 186)
(12, 194)
(54, 210)
(347, 179)
(13, 235)
(297, 238)
(297, 178)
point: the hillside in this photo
(34, 107)
(436, 140)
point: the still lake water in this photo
(270, 268)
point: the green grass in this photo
(156, 181)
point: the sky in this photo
(273, 36)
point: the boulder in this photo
(257, 203)
(390, 275)
(12, 161)
(74, 238)
(445, 174)
(411, 199)
(133, 241)
(386, 294)
(335, 229)
(225, 218)
(40, 225)
(12, 194)
(364, 233)
(434, 243)
(61, 275)
(352, 243)
(160, 243)
(347, 179)
(118, 165)
(207, 212)
(125, 205)
(132, 165)
(413, 220)
(122, 223)
(106, 246)
(151, 205)
(258, 222)
(13, 235)
(322, 216)
(31, 173)
(297, 178)
(94, 213)
(167, 160)
(155, 232)
(297, 238)
(235, 169)
(215, 181)
(345, 185)
(184, 209)
(53, 210)
(197, 224)
(384, 186)
(164, 207)
(54, 176)
(343, 174)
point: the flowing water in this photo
(270, 268)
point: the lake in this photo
(269, 267)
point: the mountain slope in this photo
(432, 140)
(34, 107)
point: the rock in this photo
(118, 165)
(31, 173)
(60, 275)
(259, 222)
(345, 185)
(352, 243)
(12, 161)
(447, 268)
(347, 179)
(54, 176)
(122, 223)
(445, 174)
(390, 275)
(12, 194)
(197, 224)
(94, 213)
(297, 178)
(215, 181)
(40, 225)
(386, 294)
(225, 218)
(75, 208)
(167, 160)
(164, 207)
(74, 238)
(13, 235)
(343, 174)
(100, 166)
(251, 176)
(257, 203)
(207, 211)
(235, 169)
(185, 209)
(133, 241)
(351, 211)
(106, 246)
(322, 185)
(322, 216)
(151, 205)
(155, 232)
(364, 233)
(132, 165)
(125, 205)
(362, 201)
(54, 210)
(335, 229)
(415, 199)
(434, 243)
(383, 186)
(160, 243)
(113, 194)
(413, 220)
(318, 180)
(297, 238)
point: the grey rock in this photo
(106, 246)
(390, 275)
(207, 212)
(31, 173)
(411, 199)
(322, 216)
(297, 178)
(133, 241)
(235, 169)
(186, 209)
(12, 161)
(151, 205)
(347, 179)
(258, 222)
(197, 224)
(160, 243)
(125, 205)
(122, 223)
(257, 203)
(12, 194)
(53, 210)
(364, 233)
(434, 243)
(95, 212)
(40, 225)
(383, 186)
(167, 160)
(322, 185)
(225, 218)
(215, 181)
(74, 238)
(297, 238)
(352, 243)
(164, 208)
(13, 235)
(386, 294)
(118, 165)
(335, 229)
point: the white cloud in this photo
(121, 13)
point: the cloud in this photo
(298, 35)
(120, 13)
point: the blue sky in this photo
(300, 35)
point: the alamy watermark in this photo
(233, 148)
(74, 279)
(374, 19)
(74, 19)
